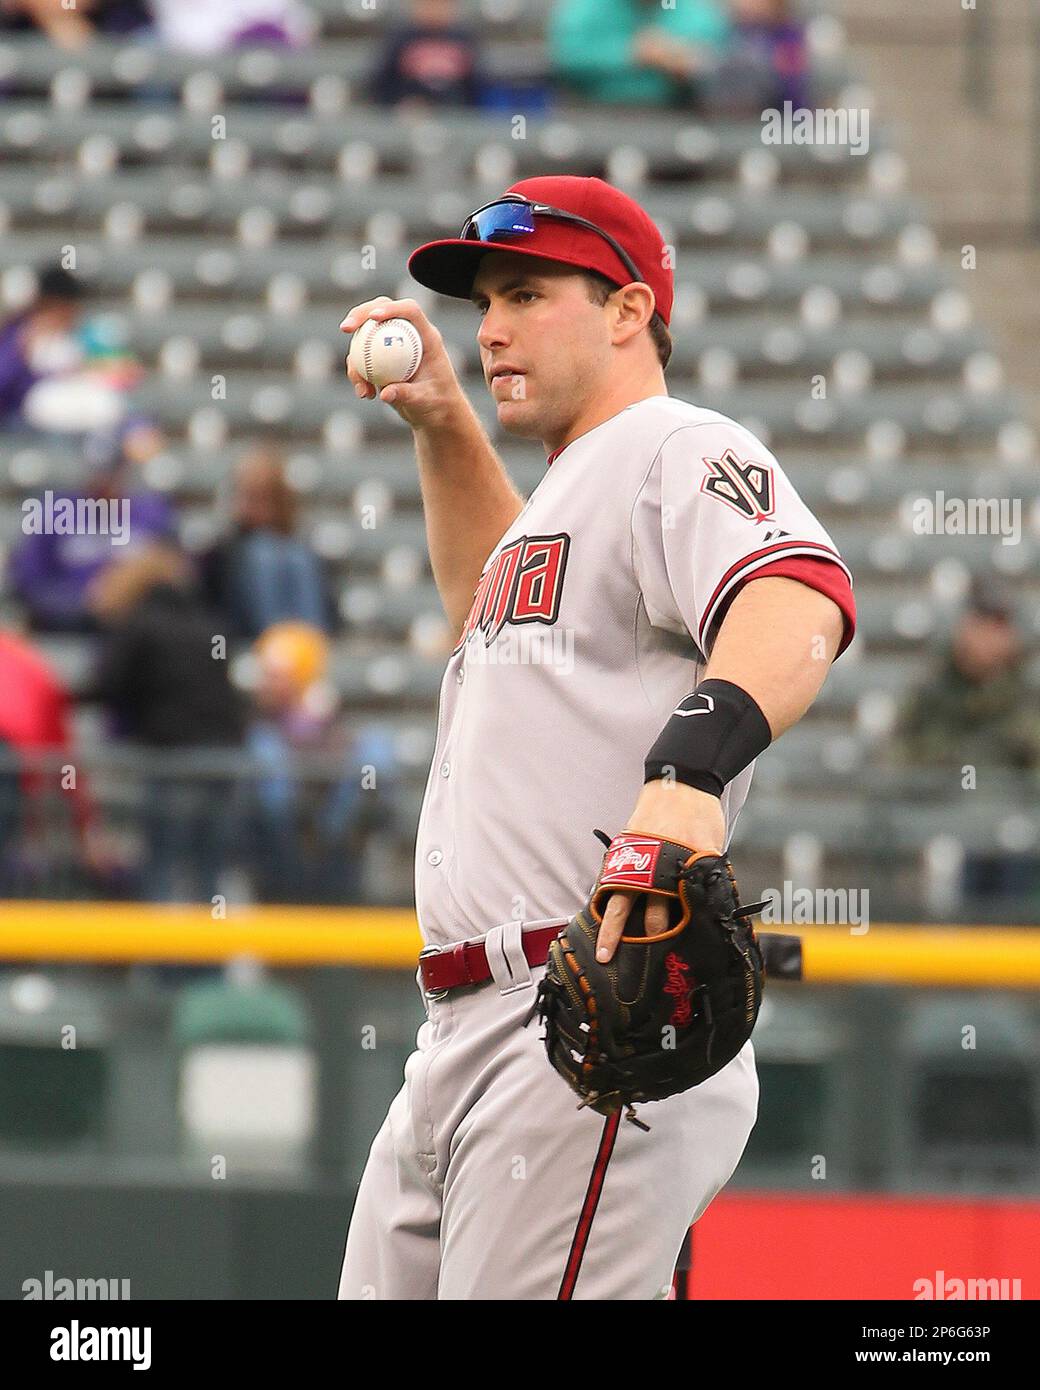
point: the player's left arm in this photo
(776, 643)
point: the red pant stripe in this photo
(588, 1207)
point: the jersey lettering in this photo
(523, 584)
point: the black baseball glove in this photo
(667, 1011)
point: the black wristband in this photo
(711, 737)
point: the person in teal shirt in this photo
(636, 52)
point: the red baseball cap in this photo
(450, 266)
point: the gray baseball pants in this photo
(486, 1182)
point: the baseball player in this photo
(628, 639)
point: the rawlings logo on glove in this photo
(679, 987)
(668, 1011)
(627, 857)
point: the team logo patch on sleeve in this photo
(747, 487)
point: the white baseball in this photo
(385, 352)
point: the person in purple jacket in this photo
(770, 39)
(23, 338)
(73, 536)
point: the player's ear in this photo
(634, 308)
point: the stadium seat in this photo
(247, 1084)
(967, 1101)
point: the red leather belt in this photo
(467, 962)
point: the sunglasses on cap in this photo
(513, 215)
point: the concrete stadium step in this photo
(972, 163)
(328, 269)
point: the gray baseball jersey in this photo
(588, 626)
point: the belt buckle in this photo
(434, 995)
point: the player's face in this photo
(538, 320)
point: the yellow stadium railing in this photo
(386, 938)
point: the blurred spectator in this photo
(321, 792)
(61, 373)
(978, 708)
(121, 16)
(67, 28)
(261, 573)
(36, 724)
(53, 567)
(10, 811)
(202, 26)
(431, 59)
(37, 340)
(108, 361)
(637, 52)
(766, 62)
(165, 682)
(72, 26)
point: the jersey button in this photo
(460, 675)
(445, 769)
(434, 857)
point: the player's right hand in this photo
(434, 395)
